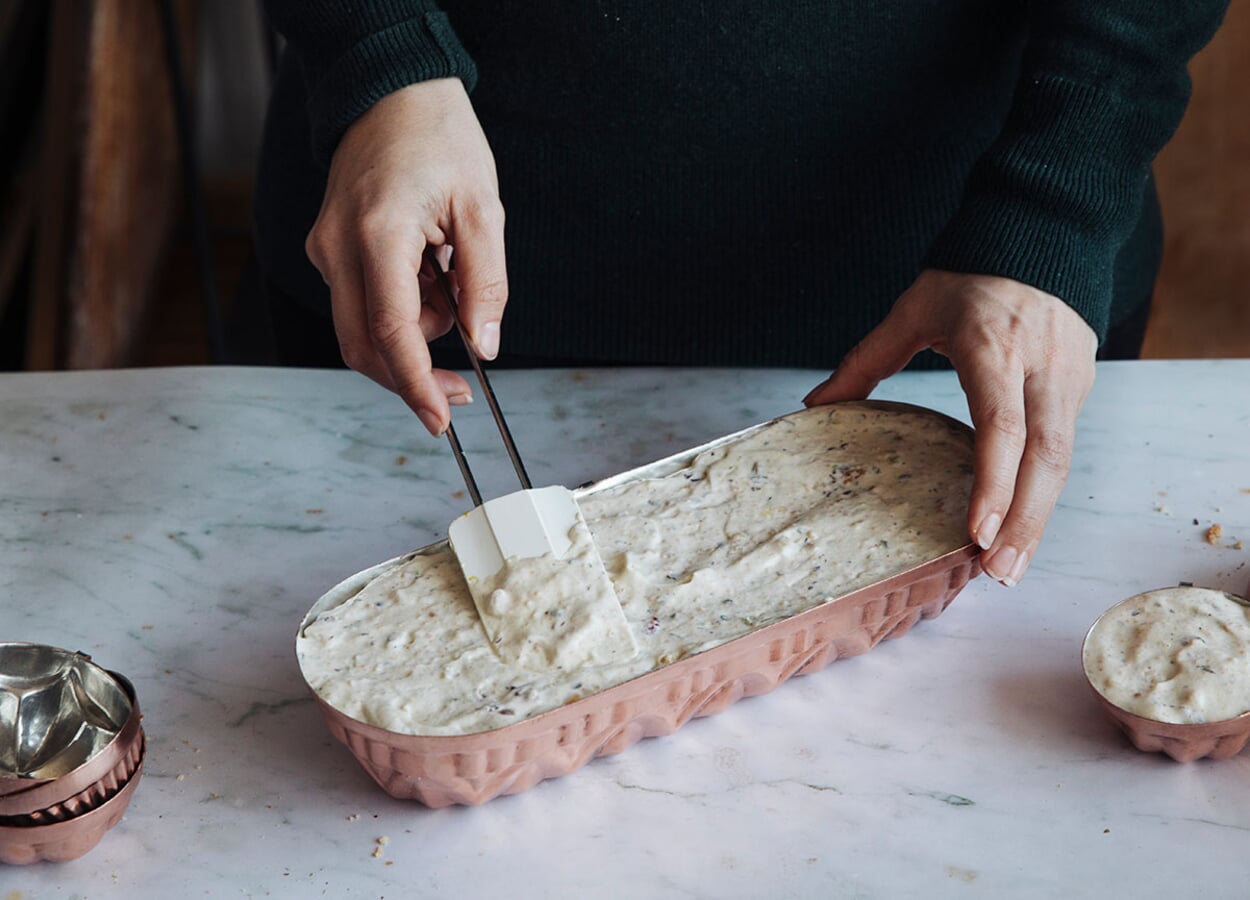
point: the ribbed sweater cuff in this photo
(1052, 201)
(350, 65)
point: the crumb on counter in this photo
(1214, 533)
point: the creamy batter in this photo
(542, 613)
(1173, 655)
(805, 510)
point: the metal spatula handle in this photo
(444, 285)
(465, 472)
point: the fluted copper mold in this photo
(441, 770)
(63, 717)
(95, 794)
(68, 839)
(1183, 742)
(474, 768)
(57, 710)
(61, 714)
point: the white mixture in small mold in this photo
(1179, 655)
(810, 508)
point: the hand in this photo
(1026, 361)
(413, 170)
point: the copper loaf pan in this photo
(470, 769)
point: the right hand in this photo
(415, 170)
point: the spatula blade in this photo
(524, 524)
(540, 587)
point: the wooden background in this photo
(1202, 302)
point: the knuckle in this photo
(317, 246)
(371, 226)
(417, 387)
(493, 294)
(355, 357)
(1026, 529)
(1006, 420)
(1051, 447)
(482, 211)
(997, 487)
(413, 388)
(386, 329)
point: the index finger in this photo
(393, 310)
(995, 392)
(883, 351)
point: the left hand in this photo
(1025, 360)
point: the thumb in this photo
(482, 273)
(882, 352)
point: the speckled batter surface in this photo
(795, 514)
(1179, 655)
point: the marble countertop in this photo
(177, 523)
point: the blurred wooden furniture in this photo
(1202, 301)
(106, 178)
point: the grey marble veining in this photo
(177, 524)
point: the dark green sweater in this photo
(755, 183)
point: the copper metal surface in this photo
(57, 710)
(95, 794)
(474, 768)
(1182, 742)
(70, 839)
(86, 776)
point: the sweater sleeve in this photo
(1102, 88)
(353, 54)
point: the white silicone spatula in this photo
(535, 575)
(530, 523)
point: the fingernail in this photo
(431, 423)
(1001, 564)
(807, 401)
(1017, 570)
(988, 530)
(460, 399)
(488, 340)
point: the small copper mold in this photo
(1183, 742)
(96, 793)
(69, 839)
(57, 710)
(71, 745)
